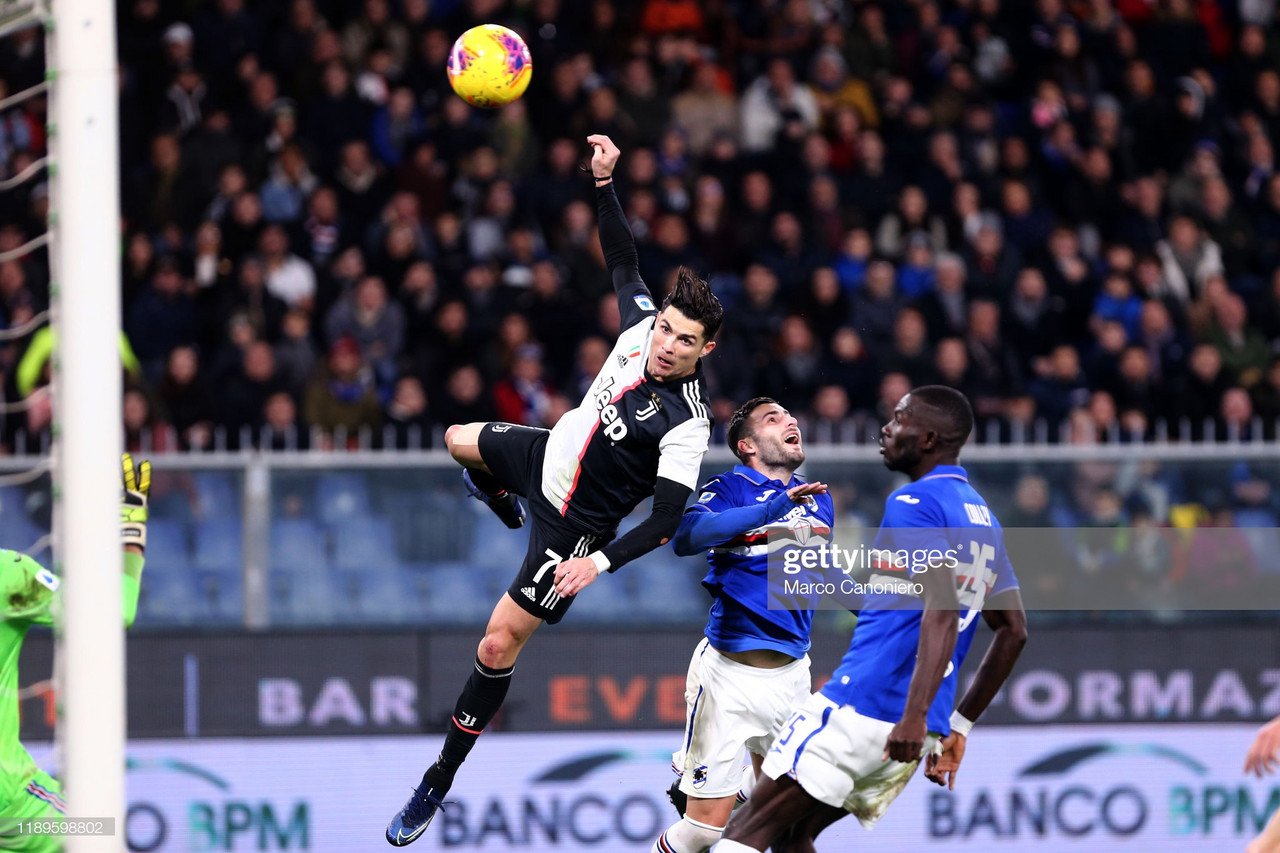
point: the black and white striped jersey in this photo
(605, 456)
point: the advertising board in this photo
(1050, 788)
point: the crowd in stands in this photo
(1068, 209)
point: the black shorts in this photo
(514, 454)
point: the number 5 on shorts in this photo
(796, 719)
(555, 560)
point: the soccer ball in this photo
(489, 66)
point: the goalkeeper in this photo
(27, 594)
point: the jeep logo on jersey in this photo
(610, 418)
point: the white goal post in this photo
(85, 291)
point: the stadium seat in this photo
(300, 597)
(429, 526)
(444, 594)
(218, 542)
(218, 494)
(668, 589)
(608, 601)
(166, 599)
(340, 495)
(167, 546)
(369, 598)
(364, 542)
(17, 530)
(493, 544)
(297, 545)
(220, 595)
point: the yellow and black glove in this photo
(133, 503)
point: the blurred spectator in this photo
(1235, 417)
(831, 422)
(912, 217)
(851, 366)
(249, 299)
(341, 399)
(144, 430)
(281, 428)
(1033, 318)
(295, 352)
(1266, 395)
(187, 399)
(1166, 349)
(407, 420)
(163, 317)
(706, 108)
(289, 277)
(463, 399)
(1062, 387)
(523, 396)
(994, 372)
(793, 374)
(992, 265)
(876, 306)
(246, 391)
(288, 186)
(1244, 351)
(910, 353)
(776, 107)
(163, 191)
(397, 125)
(1189, 258)
(373, 321)
(1197, 395)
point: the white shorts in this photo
(837, 756)
(729, 706)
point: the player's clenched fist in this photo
(605, 156)
(573, 575)
(136, 480)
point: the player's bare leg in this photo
(463, 442)
(509, 628)
(1268, 841)
(800, 838)
(775, 805)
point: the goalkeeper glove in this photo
(133, 504)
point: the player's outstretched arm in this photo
(939, 626)
(136, 485)
(703, 526)
(616, 240)
(1005, 615)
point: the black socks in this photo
(480, 700)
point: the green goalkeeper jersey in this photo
(27, 593)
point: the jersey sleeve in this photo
(681, 451)
(27, 588)
(719, 515)
(635, 302)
